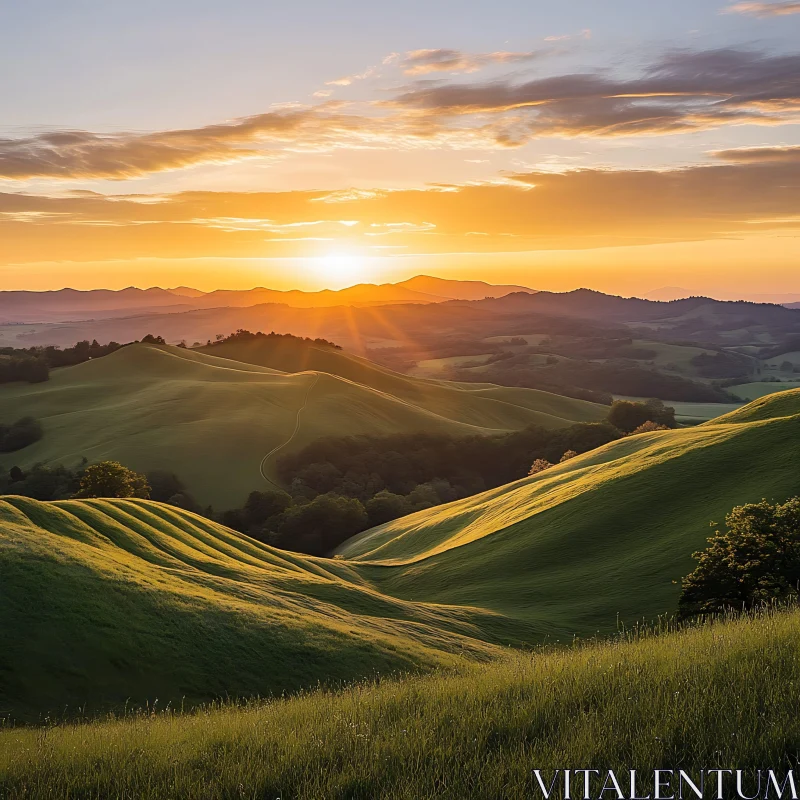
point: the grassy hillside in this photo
(608, 533)
(212, 420)
(102, 601)
(718, 696)
(107, 601)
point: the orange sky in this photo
(556, 158)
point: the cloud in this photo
(764, 9)
(586, 33)
(743, 155)
(424, 62)
(532, 210)
(681, 91)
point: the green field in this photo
(107, 601)
(724, 695)
(606, 534)
(211, 420)
(752, 391)
(574, 550)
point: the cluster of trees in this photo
(33, 364)
(243, 335)
(723, 365)
(426, 469)
(593, 380)
(19, 434)
(756, 560)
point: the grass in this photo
(601, 538)
(211, 420)
(609, 533)
(722, 695)
(752, 391)
(103, 602)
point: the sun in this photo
(339, 270)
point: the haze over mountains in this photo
(72, 304)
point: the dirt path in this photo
(280, 447)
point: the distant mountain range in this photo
(358, 329)
(68, 305)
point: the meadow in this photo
(721, 694)
(212, 419)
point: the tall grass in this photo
(724, 694)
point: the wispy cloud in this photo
(679, 91)
(424, 62)
(750, 155)
(779, 9)
(532, 210)
(586, 33)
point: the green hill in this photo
(724, 695)
(213, 420)
(607, 533)
(105, 601)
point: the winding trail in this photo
(291, 438)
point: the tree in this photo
(23, 432)
(386, 506)
(567, 456)
(319, 526)
(111, 479)
(648, 427)
(540, 465)
(787, 366)
(756, 560)
(15, 475)
(627, 416)
(261, 506)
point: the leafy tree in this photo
(111, 479)
(628, 416)
(386, 506)
(164, 485)
(23, 432)
(757, 559)
(648, 427)
(15, 475)
(567, 456)
(319, 526)
(540, 465)
(261, 506)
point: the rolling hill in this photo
(105, 600)
(213, 420)
(607, 533)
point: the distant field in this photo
(211, 419)
(752, 391)
(725, 694)
(693, 412)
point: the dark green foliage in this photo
(262, 506)
(756, 560)
(591, 380)
(723, 365)
(20, 434)
(111, 479)
(319, 526)
(386, 506)
(33, 364)
(628, 416)
(247, 336)
(364, 466)
(27, 368)
(42, 482)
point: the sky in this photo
(614, 144)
